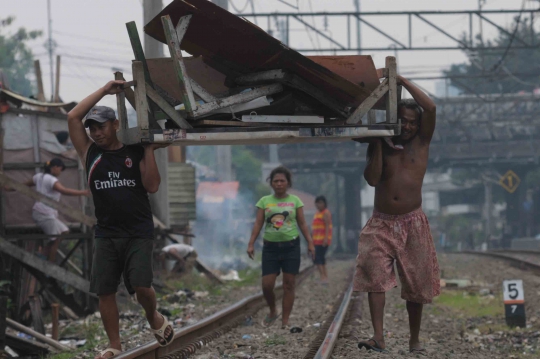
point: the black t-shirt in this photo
(120, 199)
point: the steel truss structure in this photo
(285, 21)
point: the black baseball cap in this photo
(100, 114)
(56, 162)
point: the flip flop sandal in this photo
(376, 347)
(113, 351)
(293, 330)
(419, 351)
(268, 321)
(161, 333)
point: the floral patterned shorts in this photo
(405, 239)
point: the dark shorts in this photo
(114, 257)
(281, 256)
(320, 253)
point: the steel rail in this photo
(332, 335)
(189, 335)
(521, 262)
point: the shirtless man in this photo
(399, 230)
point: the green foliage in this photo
(16, 59)
(471, 305)
(246, 165)
(275, 340)
(247, 168)
(521, 63)
(532, 180)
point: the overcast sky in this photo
(92, 38)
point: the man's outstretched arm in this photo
(427, 124)
(77, 132)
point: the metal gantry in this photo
(398, 40)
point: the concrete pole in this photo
(488, 208)
(358, 37)
(153, 49)
(224, 153)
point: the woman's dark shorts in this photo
(114, 257)
(320, 255)
(281, 256)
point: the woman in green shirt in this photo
(280, 213)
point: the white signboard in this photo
(513, 291)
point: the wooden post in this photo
(57, 85)
(121, 104)
(37, 317)
(174, 40)
(41, 93)
(141, 101)
(3, 324)
(40, 337)
(54, 311)
(391, 101)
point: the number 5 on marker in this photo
(514, 303)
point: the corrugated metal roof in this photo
(182, 203)
(19, 98)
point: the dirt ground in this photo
(462, 323)
(312, 306)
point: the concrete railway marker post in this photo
(514, 303)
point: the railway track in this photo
(187, 340)
(512, 256)
(194, 337)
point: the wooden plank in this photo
(239, 98)
(3, 323)
(371, 117)
(293, 81)
(207, 272)
(219, 123)
(140, 95)
(176, 53)
(127, 84)
(33, 165)
(199, 90)
(26, 348)
(181, 27)
(47, 268)
(168, 109)
(368, 103)
(282, 119)
(37, 315)
(262, 77)
(317, 94)
(57, 82)
(55, 309)
(130, 94)
(60, 207)
(391, 101)
(39, 79)
(42, 338)
(121, 104)
(138, 51)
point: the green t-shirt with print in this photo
(280, 217)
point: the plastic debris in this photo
(246, 337)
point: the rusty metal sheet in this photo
(162, 73)
(241, 46)
(358, 69)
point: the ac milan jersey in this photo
(120, 199)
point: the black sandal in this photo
(375, 347)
